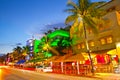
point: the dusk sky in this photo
(22, 19)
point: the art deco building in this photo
(108, 39)
(109, 34)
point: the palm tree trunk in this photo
(88, 49)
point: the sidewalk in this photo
(107, 76)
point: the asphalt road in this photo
(18, 74)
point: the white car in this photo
(39, 68)
(47, 69)
(117, 69)
(43, 69)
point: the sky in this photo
(22, 19)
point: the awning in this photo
(86, 56)
(77, 57)
(112, 52)
(62, 58)
(52, 59)
(20, 62)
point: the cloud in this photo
(39, 30)
(56, 25)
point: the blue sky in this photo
(20, 19)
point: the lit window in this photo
(107, 23)
(111, 9)
(102, 41)
(78, 46)
(109, 39)
(118, 16)
(101, 27)
(91, 43)
(89, 31)
(82, 45)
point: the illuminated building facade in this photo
(30, 46)
(107, 42)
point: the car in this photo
(43, 69)
(47, 69)
(117, 70)
(39, 68)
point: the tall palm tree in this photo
(84, 15)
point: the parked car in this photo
(43, 69)
(39, 68)
(117, 70)
(47, 69)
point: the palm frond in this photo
(71, 10)
(83, 5)
(80, 28)
(91, 24)
(72, 5)
(89, 12)
(73, 27)
(95, 11)
(70, 18)
(96, 5)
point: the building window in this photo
(89, 31)
(82, 45)
(118, 16)
(105, 25)
(103, 41)
(106, 40)
(91, 43)
(109, 39)
(101, 27)
(111, 9)
(78, 46)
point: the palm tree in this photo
(25, 49)
(18, 51)
(84, 15)
(45, 45)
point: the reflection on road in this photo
(20, 74)
(0, 74)
(4, 73)
(14, 74)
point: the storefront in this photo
(75, 65)
(106, 62)
(59, 64)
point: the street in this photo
(19, 74)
